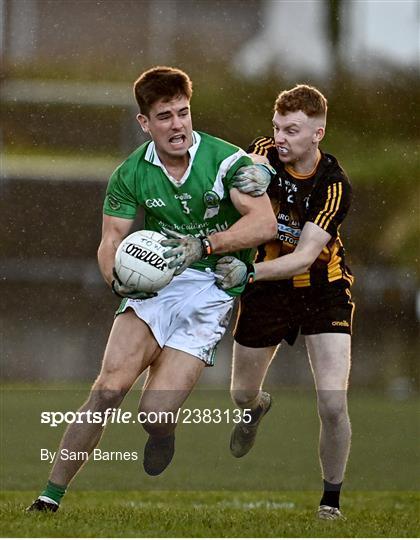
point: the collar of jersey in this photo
(152, 157)
(299, 176)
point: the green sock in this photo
(54, 491)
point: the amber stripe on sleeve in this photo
(337, 206)
(262, 146)
(331, 207)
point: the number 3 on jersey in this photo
(185, 207)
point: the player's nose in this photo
(279, 138)
(176, 123)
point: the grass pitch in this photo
(211, 514)
(205, 492)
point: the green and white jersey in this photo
(198, 204)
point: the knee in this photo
(332, 411)
(244, 398)
(106, 394)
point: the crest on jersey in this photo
(211, 199)
(212, 203)
(113, 202)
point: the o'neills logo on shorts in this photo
(340, 323)
(143, 255)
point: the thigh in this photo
(202, 324)
(329, 356)
(328, 310)
(249, 366)
(130, 349)
(170, 380)
(190, 314)
(265, 316)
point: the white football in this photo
(140, 264)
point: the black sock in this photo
(331, 495)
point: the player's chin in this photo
(177, 154)
(286, 158)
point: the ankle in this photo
(54, 492)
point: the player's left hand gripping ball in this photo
(185, 251)
(253, 179)
(231, 272)
(125, 292)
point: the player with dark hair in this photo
(300, 282)
(184, 182)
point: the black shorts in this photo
(270, 311)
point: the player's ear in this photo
(318, 135)
(143, 121)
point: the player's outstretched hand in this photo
(231, 272)
(185, 251)
(125, 292)
(253, 179)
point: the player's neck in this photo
(305, 167)
(176, 165)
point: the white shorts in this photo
(190, 314)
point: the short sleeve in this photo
(261, 146)
(232, 164)
(120, 199)
(329, 205)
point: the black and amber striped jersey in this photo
(323, 197)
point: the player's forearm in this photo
(250, 230)
(311, 243)
(284, 267)
(114, 229)
(106, 256)
(259, 159)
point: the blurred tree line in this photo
(372, 125)
(372, 129)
